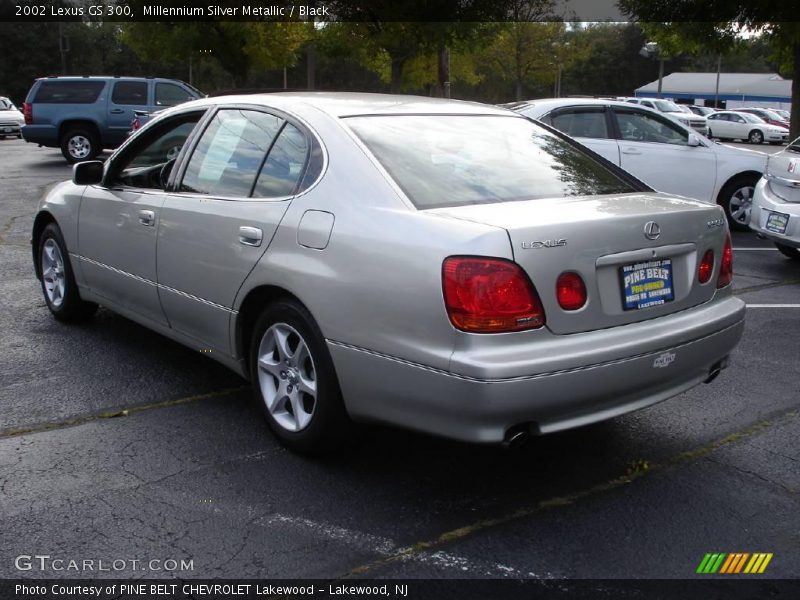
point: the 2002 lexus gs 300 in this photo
(446, 266)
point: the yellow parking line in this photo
(543, 505)
(120, 413)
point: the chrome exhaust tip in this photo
(516, 437)
(716, 369)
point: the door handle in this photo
(630, 151)
(147, 218)
(250, 236)
(117, 111)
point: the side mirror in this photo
(693, 140)
(87, 173)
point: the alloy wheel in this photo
(740, 204)
(287, 377)
(53, 273)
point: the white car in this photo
(666, 155)
(674, 111)
(732, 125)
(11, 120)
(775, 213)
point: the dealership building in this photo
(768, 90)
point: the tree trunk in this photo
(443, 83)
(794, 130)
(397, 75)
(311, 65)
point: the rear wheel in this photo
(79, 144)
(736, 198)
(294, 381)
(789, 251)
(755, 137)
(58, 283)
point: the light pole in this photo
(191, 54)
(651, 50)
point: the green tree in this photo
(690, 19)
(237, 46)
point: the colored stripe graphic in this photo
(734, 563)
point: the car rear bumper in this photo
(642, 363)
(44, 135)
(7, 128)
(766, 202)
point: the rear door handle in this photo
(630, 151)
(117, 111)
(147, 218)
(250, 236)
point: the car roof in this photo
(549, 104)
(101, 78)
(348, 104)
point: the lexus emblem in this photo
(652, 230)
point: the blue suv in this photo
(83, 115)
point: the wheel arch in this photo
(251, 308)
(42, 220)
(740, 175)
(73, 123)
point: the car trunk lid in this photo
(605, 239)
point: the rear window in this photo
(443, 160)
(69, 92)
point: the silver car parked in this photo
(449, 267)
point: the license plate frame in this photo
(646, 284)
(776, 222)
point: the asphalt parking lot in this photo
(116, 443)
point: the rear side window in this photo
(448, 160)
(169, 94)
(231, 153)
(130, 92)
(68, 92)
(588, 123)
(284, 165)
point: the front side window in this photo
(130, 92)
(583, 122)
(637, 126)
(169, 94)
(231, 153)
(448, 160)
(147, 161)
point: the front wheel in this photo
(755, 137)
(789, 251)
(58, 283)
(736, 197)
(294, 381)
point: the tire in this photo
(294, 381)
(736, 197)
(788, 251)
(755, 137)
(58, 282)
(79, 144)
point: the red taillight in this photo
(706, 267)
(27, 111)
(570, 291)
(489, 295)
(135, 124)
(726, 266)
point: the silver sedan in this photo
(449, 267)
